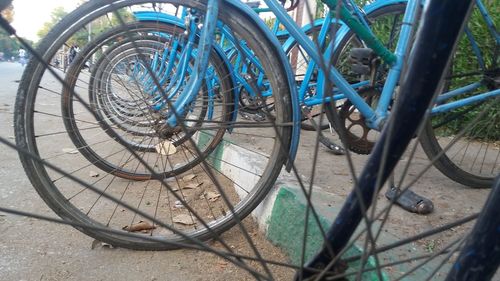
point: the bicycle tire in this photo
(455, 167)
(404, 256)
(99, 93)
(474, 160)
(49, 183)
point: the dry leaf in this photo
(188, 177)
(212, 196)
(198, 192)
(93, 174)
(178, 204)
(140, 226)
(192, 185)
(165, 148)
(96, 243)
(222, 264)
(70, 150)
(183, 219)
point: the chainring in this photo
(353, 124)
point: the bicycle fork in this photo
(194, 85)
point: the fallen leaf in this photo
(165, 148)
(198, 193)
(141, 225)
(70, 150)
(183, 219)
(222, 264)
(188, 177)
(212, 196)
(96, 243)
(178, 204)
(192, 185)
(93, 174)
(223, 212)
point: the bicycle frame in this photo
(441, 108)
(302, 38)
(375, 117)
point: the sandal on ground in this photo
(410, 201)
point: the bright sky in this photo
(30, 15)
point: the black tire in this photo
(460, 169)
(76, 203)
(137, 115)
(474, 158)
(429, 139)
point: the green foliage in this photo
(8, 45)
(97, 26)
(55, 17)
(464, 66)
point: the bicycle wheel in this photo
(385, 23)
(104, 171)
(474, 160)
(137, 125)
(405, 254)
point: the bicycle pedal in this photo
(360, 59)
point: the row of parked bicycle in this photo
(190, 109)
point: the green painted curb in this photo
(284, 218)
(215, 157)
(286, 230)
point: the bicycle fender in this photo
(247, 11)
(380, 4)
(159, 17)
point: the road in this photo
(37, 250)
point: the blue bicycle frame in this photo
(375, 117)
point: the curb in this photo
(281, 215)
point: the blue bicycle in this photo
(384, 20)
(172, 153)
